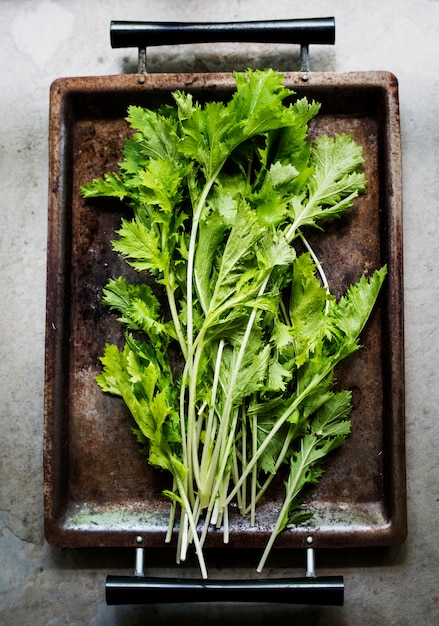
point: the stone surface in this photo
(41, 40)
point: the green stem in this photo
(191, 253)
(222, 451)
(211, 422)
(277, 426)
(291, 231)
(196, 512)
(192, 442)
(219, 450)
(186, 434)
(170, 293)
(279, 522)
(241, 353)
(174, 314)
(184, 452)
(188, 410)
(280, 459)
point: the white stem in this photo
(319, 269)
(187, 508)
(254, 472)
(210, 428)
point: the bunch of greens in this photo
(220, 195)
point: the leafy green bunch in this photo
(221, 195)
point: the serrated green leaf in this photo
(353, 310)
(110, 186)
(141, 247)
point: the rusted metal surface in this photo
(99, 490)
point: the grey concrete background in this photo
(41, 40)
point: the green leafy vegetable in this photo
(221, 195)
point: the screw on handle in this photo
(297, 31)
(319, 590)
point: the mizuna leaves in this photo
(221, 194)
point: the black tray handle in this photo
(299, 31)
(318, 590)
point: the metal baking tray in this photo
(99, 490)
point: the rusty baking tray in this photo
(99, 491)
